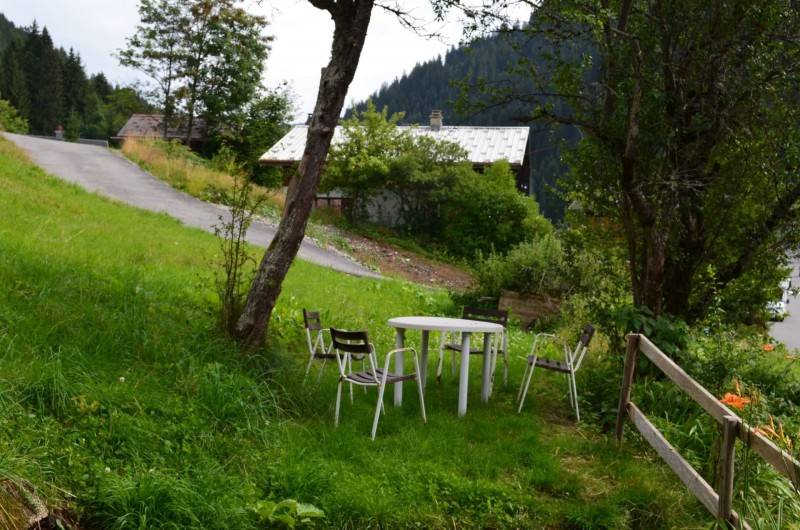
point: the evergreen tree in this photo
(42, 65)
(13, 83)
(75, 85)
(9, 33)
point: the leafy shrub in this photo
(667, 332)
(488, 213)
(10, 120)
(531, 267)
(287, 514)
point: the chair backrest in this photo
(351, 342)
(582, 347)
(495, 316)
(312, 320)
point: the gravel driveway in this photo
(110, 174)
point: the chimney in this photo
(309, 119)
(436, 120)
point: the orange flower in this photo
(768, 347)
(734, 401)
(762, 432)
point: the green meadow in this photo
(124, 406)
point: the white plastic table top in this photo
(444, 324)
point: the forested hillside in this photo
(50, 88)
(438, 84)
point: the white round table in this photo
(443, 324)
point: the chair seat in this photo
(454, 346)
(457, 347)
(549, 364)
(367, 378)
(355, 357)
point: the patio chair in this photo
(571, 363)
(315, 337)
(452, 343)
(349, 343)
(317, 349)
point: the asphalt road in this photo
(788, 331)
(108, 173)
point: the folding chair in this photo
(499, 343)
(348, 343)
(570, 365)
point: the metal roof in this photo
(484, 145)
(152, 126)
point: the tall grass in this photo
(183, 169)
(120, 399)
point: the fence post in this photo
(730, 427)
(627, 383)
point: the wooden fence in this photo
(718, 503)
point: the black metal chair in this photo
(571, 363)
(318, 350)
(349, 343)
(499, 343)
(315, 338)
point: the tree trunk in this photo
(351, 19)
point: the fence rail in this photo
(719, 504)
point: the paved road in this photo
(110, 174)
(788, 331)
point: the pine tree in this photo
(75, 84)
(13, 84)
(42, 65)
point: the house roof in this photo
(484, 145)
(151, 125)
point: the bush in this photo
(488, 213)
(10, 120)
(531, 267)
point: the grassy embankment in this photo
(120, 398)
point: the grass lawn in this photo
(120, 400)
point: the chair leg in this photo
(569, 392)
(505, 359)
(527, 384)
(494, 352)
(321, 370)
(575, 397)
(522, 382)
(421, 399)
(350, 370)
(338, 401)
(441, 358)
(308, 369)
(378, 408)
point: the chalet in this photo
(484, 146)
(152, 126)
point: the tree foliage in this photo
(436, 193)
(49, 87)
(205, 59)
(690, 147)
(374, 157)
(10, 120)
